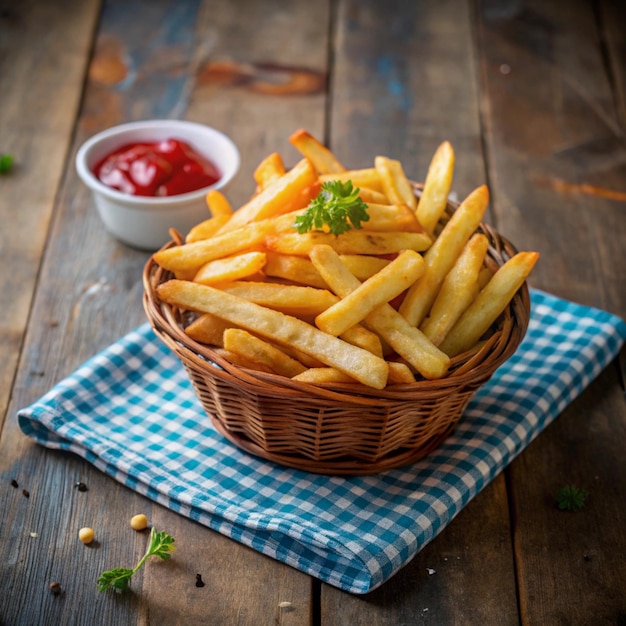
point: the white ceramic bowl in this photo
(144, 222)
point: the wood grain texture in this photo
(548, 62)
(86, 300)
(612, 16)
(530, 94)
(403, 89)
(258, 81)
(49, 43)
(454, 580)
(550, 176)
(400, 91)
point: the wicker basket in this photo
(336, 429)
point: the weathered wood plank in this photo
(613, 17)
(43, 57)
(148, 62)
(261, 85)
(435, 587)
(403, 89)
(558, 184)
(400, 91)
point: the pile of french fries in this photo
(388, 303)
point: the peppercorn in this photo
(55, 588)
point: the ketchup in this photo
(162, 168)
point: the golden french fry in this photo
(270, 169)
(442, 255)
(206, 229)
(259, 351)
(409, 342)
(390, 218)
(391, 281)
(320, 375)
(395, 183)
(458, 290)
(437, 185)
(242, 361)
(288, 193)
(290, 299)
(489, 304)
(218, 203)
(351, 242)
(367, 177)
(375, 197)
(361, 265)
(209, 329)
(230, 268)
(360, 364)
(360, 336)
(296, 269)
(485, 275)
(324, 161)
(399, 373)
(191, 256)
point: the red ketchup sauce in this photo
(162, 168)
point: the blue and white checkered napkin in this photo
(131, 411)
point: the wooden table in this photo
(531, 94)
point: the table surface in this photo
(531, 94)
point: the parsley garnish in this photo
(337, 208)
(6, 163)
(571, 498)
(161, 545)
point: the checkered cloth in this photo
(131, 412)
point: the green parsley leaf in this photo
(6, 163)
(571, 498)
(337, 209)
(118, 578)
(161, 545)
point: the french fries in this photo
(395, 183)
(351, 242)
(458, 290)
(261, 352)
(324, 161)
(218, 203)
(285, 194)
(384, 286)
(230, 268)
(357, 363)
(437, 187)
(440, 257)
(269, 170)
(406, 340)
(388, 302)
(491, 301)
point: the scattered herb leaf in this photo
(337, 208)
(161, 545)
(571, 498)
(6, 163)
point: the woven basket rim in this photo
(471, 368)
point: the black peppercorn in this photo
(55, 588)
